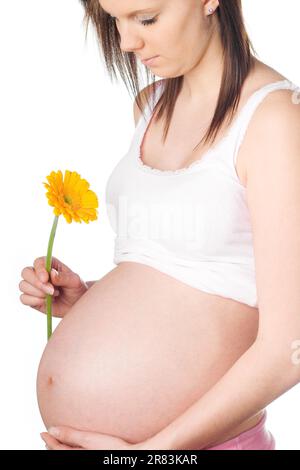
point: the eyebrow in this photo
(145, 10)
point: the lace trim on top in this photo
(149, 169)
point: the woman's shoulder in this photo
(275, 110)
(275, 114)
(260, 76)
(280, 97)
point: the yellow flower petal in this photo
(70, 196)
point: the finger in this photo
(64, 447)
(31, 289)
(54, 444)
(39, 266)
(35, 302)
(69, 280)
(30, 277)
(72, 437)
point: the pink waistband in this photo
(255, 428)
(244, 435)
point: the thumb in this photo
(64, 279)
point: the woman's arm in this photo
(259, 376)
(271, 366)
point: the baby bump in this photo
(128, 358)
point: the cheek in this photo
(187, 36)
(171, 41)
(195, 39)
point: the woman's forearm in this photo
(258, 377)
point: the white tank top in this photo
(193, 223)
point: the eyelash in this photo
(148, 22)
(144, 22)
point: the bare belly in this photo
(136, 351)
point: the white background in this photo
(59, 110)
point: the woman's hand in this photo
(68, 286)
(73, 439)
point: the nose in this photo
(129, 45)
(129, 41)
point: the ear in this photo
(210, 6)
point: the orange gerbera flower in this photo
(71, 197)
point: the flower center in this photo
(68, 200)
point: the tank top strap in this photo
(237, 129)
(240, 125)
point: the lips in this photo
(150, 61)
(149, 58)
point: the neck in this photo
(203, 82)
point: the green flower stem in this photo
(48, 268)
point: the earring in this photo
(210, 10)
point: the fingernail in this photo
(49, 290)
(53, 431)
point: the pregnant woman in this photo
(195, 331)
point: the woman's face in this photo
(178, 31)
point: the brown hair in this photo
(237, 58)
